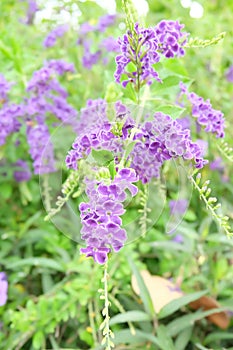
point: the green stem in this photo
(46, 192)
(92, 322)
(107, 333)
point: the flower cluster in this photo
(170, 38)
(43, 80)
(140, 49)
(153, 142)
(104, 22)
(206, 115)
(143, 47)
(108, 44)
(56, 33)
(22, 173)
(101, 216)
(217, 164)
(95, 131)
(159, 140)
(178, 207)
(31, 10)
(45, 97)
(91, 116)
(9, 113)
(41, 148)
(3, 288)
(89, 59)
(4, 89)
(9, 122)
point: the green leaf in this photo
(32, 219)
(41, 262)
(112, 169)
(183, 338)
(6, 190)
(112, 94)
(47, 282)
(102, 157)
(217, 336)
(130, 316)
(176, 304)
(125, 336)
(179, 324)
(174, 111)
(6, 52)
(38, 340)
(171, 81)
(165, 342)
(129, 92)
(144, 294)
(176, 67)
(129, 148)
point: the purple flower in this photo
(40, 148)
(217, 164)
(184, 122)
(60, 67)
(86, 28)
(212, 119)
(56, 33)
(23, 172)
(105, 22)
(162, 139)
(89, 59)
(91, 116)
(101, 216)
(110, 44)
(143, 48)
(229, 74)
(170, 38)
(3, 288)
(139, 48)
(203, 145)
(43, 79)
(31, 10)
(96, 132)
(178, 238)
(154, 142)
(47, 95)
(4, 89)
(9, 122)
(92, 56)
(178, 207)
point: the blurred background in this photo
(48, 291)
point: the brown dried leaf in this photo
(161, 290)
(220, 319)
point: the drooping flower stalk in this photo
(141, 48)
(205, 114)
(101, 216)
(108, 335)
(155, 141)
(56, 33)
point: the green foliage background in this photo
(53, 298)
